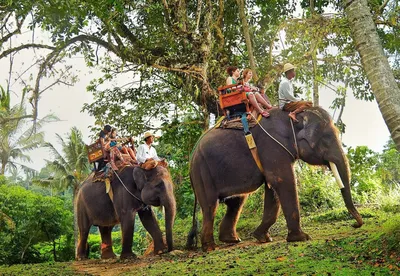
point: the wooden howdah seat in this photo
(233, 100)
(97, 153)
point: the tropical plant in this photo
(18, 136)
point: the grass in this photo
(336, 249)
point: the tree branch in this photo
(25, 46)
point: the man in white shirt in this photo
(146, 153)
(287, 100)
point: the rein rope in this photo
(124, 185)
(295, 139)
(279, 143)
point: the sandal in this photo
(265, 114)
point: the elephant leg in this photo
(127, 228)
(83, 247)
(106, 242)
(227, 228)
(270, 215)
(285, 187)
(150, 223)
(207, 231)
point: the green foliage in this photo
(365, 183)
(255, 201)
(178, 140)
(35, 218)
(388, 167)
(342, 214)
(388, 239)
(317, 188)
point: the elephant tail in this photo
(191, 242)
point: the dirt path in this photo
(116, 266)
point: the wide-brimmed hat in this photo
(287, 67)
(147, 135)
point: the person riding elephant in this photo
(147, 154)
(222, 168)
(287, 101)
(134, 191)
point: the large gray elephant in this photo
(223, 169)
(139, 188)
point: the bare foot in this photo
(265, 114)
(293, 117)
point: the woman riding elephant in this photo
(223, 168)
(134, 191)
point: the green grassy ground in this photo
(336, 249)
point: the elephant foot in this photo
(229, 239)
(209, 247)
(81, 258)
(128, 256)
(299, 236)
(160, 249)
(262, 237)
(156, 250)
(107, 252)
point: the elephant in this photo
(222, 169)
(135, 190)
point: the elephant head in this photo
(319, 144)
(157, 190)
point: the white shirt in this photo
(144, 152)
(286, 93)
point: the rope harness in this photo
(126, 188)
(279, 143)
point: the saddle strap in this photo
(109, 190)
(254, 152)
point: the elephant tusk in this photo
(336, 174)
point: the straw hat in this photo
(147, 135)
(287, 67)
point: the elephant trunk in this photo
(170, 211)
(340, 169)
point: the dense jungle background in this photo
(161, 63)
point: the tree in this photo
(34, 219)
(17, 138)
(389, 166)
(68, 169)
(375, 64)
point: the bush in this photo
(317, 189)
(32, 219)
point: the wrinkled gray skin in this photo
(94, 207)
(222, 167)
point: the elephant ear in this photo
(139, 177)
(313, 128)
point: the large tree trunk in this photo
(246, 33)
(375, 64)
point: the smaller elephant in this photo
(135, 190)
